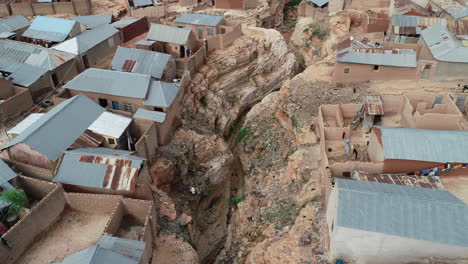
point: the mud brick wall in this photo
(31, 170)
(17, 104)
(82, 7)
(63, 8)
(92, 203)
(5, 10)
(41, 217)
(24, 9)
(42, 8)
(116, 219)
(35, 188)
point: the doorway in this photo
(103, 102)
(182, 51)
(115, 105)
(85, 61)
(54, 79)
(426, 71)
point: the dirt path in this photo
(457, 186)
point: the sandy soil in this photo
(73, 232)
(458, 186)
(130, 228)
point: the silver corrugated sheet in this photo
(57, 130)
(124, 84)
(406, 58)
(168, 34)
(425, 144)
(147, 62)
(13, 23)
(319, 3)
(139, 3)
(124, 22)
(161, 94)
(405, 211)
(155, 116)
(50, 28)
(443, 45)
(6, 173)
(93, 21)
(199, 19)
(145, 42)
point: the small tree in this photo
(16, 197)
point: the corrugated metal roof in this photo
(319, 3)
(124, 84)
(6, 173)
(50, 28)
(24, 124)
(145, 42)
(55, 131)
(416, 213)
(168, 34)
(362, 53)
(442, 146)
(147, 62)
(87, 40)
(7, 35)
(140, 3)
(452, 7)
(161, 94)
(110, 124)
(109, 249)
(199, 19)
(93, 21)
(443, 45)
(116, 170)
(400, 179)
(88, 139)
(125, 22)
(28, 63)
(374, 105)
(404, 24)
(155, 116)
(13, 23)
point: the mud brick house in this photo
(175, 41)
(93, 47)
(13, 100)
(12, 27)
(94, 21)
(131, 27)
(47, 31)
(444, 56)
(45, 7)
(229, 4)
(80, 228)
(408, 150)
(42, 143)
(123, 90)
(36, 68)
(376, 22)
(159, 65)
(387, 223)
(99, 170)
(204, 25)
(364, 60)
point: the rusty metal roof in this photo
(454, 8)
(408, 25)
(400, 179)
(88, 139)
(373, 105)
(99, 168)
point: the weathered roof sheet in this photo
(168, 34)
(199, 19)
(93, 21)
(146, 61)
(161, 94)
(87, 40)
(6, 173)
(139, 3)
(443, 45)
(155, 116)
(50, 28)
(452, 7)
(110, 124)
(7, 35)
(425, 144)
(13, 23)
(405, 211)
(373, 104)
(124, 84)
(124, 22)
(55, 131)
(319, 3)
(145, 42)
(101, 168)
(363, 53)
(400, 179)
(408, 25)
(109, 250)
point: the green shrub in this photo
(236, 200)
(306, 30)
(16, 197)
(243, 133)
(293, 3)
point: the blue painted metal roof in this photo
(199, 19)
(161, 94)
(406, 211)
(50, 28)
(425, 144)
(6, 173)
(124, 84)
(93, 21)
(13, 23)
(155, 116)
(147, 62)
(55, 131)
(443, 45)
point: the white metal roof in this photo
(110, 124)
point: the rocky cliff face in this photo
(238, 77)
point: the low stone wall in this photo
(147, 144)
(223, 41)
(192, 64)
